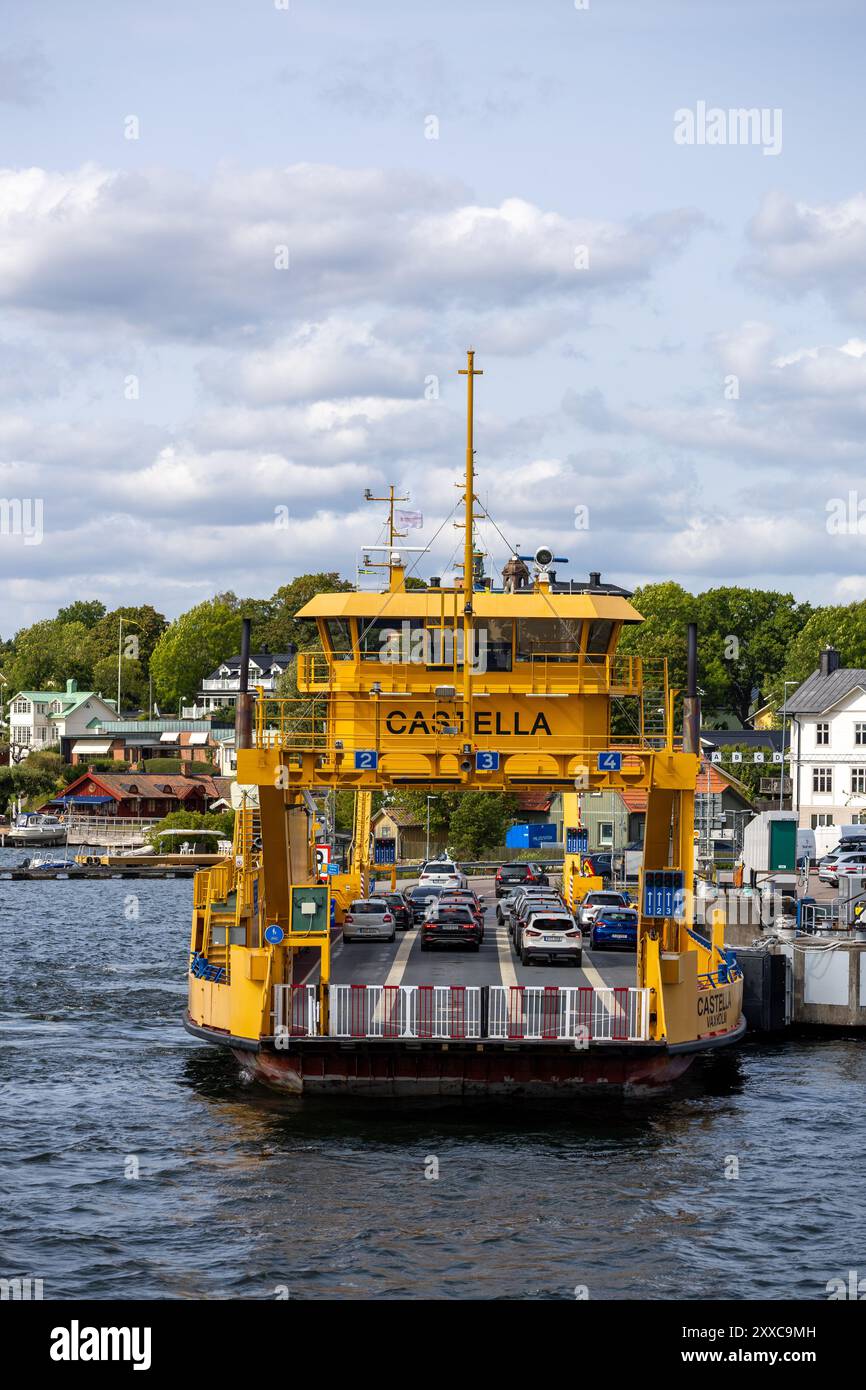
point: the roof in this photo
(710, 778)
(534, 800)
(404, 820)
(116, 727)
(70, 700)
(434, 603)
(150, 785)
(820, 693)
(749, 738)
(264, 660)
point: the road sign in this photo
(610, 762)
(384, 851)
(274, 934)
(576, 840)
(333, 868)
(486, 762)
(323, 859)
(366, 760)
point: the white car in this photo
(444, 873)
(593, 902)
(553, 936)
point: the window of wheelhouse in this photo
(599, 637)
(339, 635)
(391, 639)
(553, 639)
(494, 641)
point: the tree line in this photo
(750, 642)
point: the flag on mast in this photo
(411, 520)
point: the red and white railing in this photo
(405, 1011)
(296, 1011)
(550, 1012)
(514, 1013)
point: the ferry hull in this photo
(524, 1071)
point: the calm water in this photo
(239, 1192)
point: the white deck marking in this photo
(401, 960)
(506, 964)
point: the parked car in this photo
(600, 864)
(616, 928)
(369, 918)
(466, 898)
(400, 908)
(593, 902)
(419, 898)
(451, 925)
(546, 901)
(850, 864)
(443, 873)
(553, 936)
(517, 875)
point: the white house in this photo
(221, 687)
(827, 715)
(53, 719)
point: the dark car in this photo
(600, 864)
(397, 904)
(510, 876)
(419, 898)
(451, 925)
(614, 928)
(466, 898)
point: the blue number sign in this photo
(486, 762)
(366, 760)
(610, 762)
(274, 934)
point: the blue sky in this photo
(259, 391)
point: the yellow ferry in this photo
(466, 688)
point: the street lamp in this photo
(429, 799)
(119, 653)
(782, 773)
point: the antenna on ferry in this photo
(395, 559)
(470, 372)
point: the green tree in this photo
(743, 640)
(133, 681)
(86, 611)
(479, 822)
(667, 609)
(276, 626)
(191, 647)
(48, 654)
(142, 628)
(840, 625)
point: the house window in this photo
(605, 832)
(821, 818)
(21, 707)
(860, 734)
(822, 779)
(822, 735)
(858, 779)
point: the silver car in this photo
(553, 936)
(594, 902)
(369, 919)
(442, 873)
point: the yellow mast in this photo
(470, 373)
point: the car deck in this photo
(402, 962)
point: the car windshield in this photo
(373, 909)
(629, 918)
(453, 914)
(514, 871)
(441, 868)
(551, 923)
(425, 891)
(605, 899)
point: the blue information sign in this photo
(576, 840)
(333, 868)
(663, 893)
(610, 762)
(486, 762)
(366, 760)
(274, 934)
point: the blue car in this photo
(615, 928)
